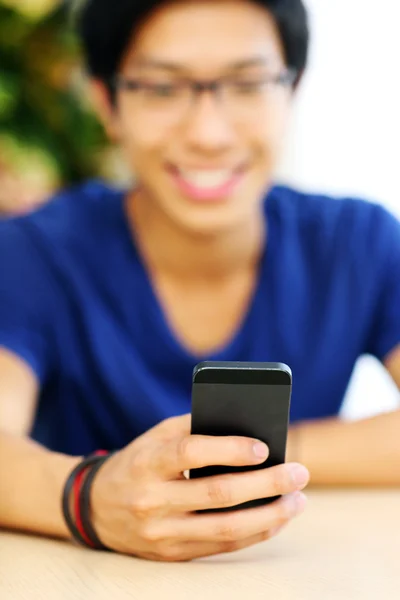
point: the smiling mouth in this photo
(208, 184)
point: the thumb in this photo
(173, 427)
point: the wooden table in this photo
(345, 547)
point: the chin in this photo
(212, 223)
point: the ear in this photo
(105, 109)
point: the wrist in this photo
(76, 500)
(55, 472)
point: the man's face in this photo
(205, 160)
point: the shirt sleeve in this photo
(385, 330)
(25, 298)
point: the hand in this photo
(143, 505)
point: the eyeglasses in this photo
(241, 96)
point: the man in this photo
(108, 299)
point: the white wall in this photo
(346, 133)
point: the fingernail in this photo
(260, 450)
(300, 476)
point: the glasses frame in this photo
(198, 87)
(286, 78)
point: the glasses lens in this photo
(163, 99)
(249, 96)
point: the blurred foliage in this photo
(49, 135)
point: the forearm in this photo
(360, 453)
(31, 484)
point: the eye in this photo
(247, 87)
(162, 90)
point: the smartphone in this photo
(242, 399)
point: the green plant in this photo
(48, 133)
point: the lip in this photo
(212, 167)
(218, 193)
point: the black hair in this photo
(106, 28)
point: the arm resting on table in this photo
(359, 453)
(31, 485)
(31, 477)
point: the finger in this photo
(224, 491)
(197, 451)
(232, 526)
(173, 427)
(276, 530)
(195, 550)
(165, 431)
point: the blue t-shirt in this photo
(77, 304)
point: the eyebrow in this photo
(155, 63)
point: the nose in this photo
(207, 127)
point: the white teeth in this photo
(207, 179)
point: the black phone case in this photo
(242, 399)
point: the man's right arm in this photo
(31, 477)
(140, 503)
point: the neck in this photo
(173, 251)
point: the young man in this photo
(108, 299)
